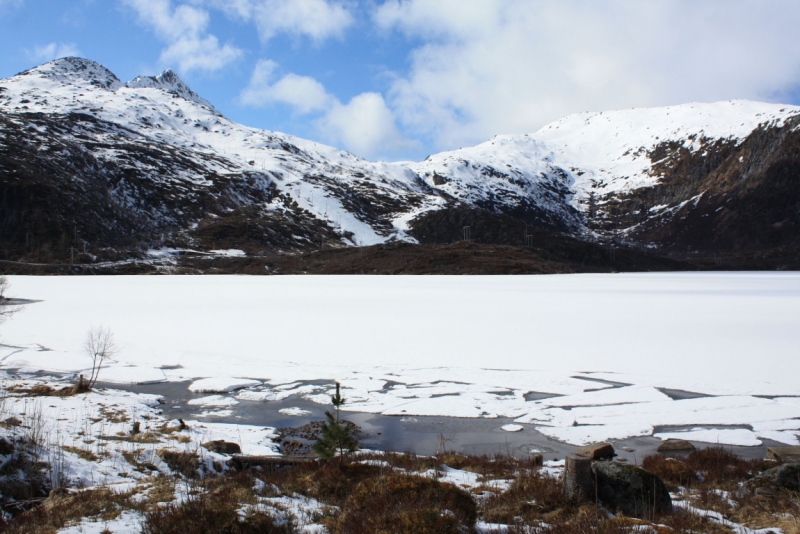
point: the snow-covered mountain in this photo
(150, 163)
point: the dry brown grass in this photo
(43, 390)
(717, 467)
(62, 508)
(86, 454)
(384, 493)
(405, 504)
(489, 467)
(213, 510)
(532, 497)
(185, 463)
(781, 510)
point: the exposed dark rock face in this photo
(598, 451)
(783, 477)
(631, 490)
(722, 198)
(57, 194)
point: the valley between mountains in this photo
(100, 176)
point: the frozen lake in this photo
(528, 347)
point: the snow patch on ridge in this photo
(170, 82)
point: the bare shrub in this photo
(100, 347)
(6, 309)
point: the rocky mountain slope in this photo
(93, 167)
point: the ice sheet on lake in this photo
(213, 400)
(221, 384)
(294, 411)
(259, 395)
(584, 435)
(449, 346)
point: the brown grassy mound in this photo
(406, 504)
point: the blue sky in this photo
(400, 79)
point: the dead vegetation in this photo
(44, 390)
(215, 508)
(405, 493)
(368, 493)
(62, 508)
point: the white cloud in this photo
(317, 19)
(506, 66)
(53, 51)
(184, 30)
(303, 93)
(365, 125)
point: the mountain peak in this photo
(72, 70)
(170, 82)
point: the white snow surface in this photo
(213, 400)
(449, 346)
(294, 411)
(127, 522)
(218, 384)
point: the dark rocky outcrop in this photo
(597, 451)
(631, 490)
(783, 477)
(223, 447)
(729, 200)
(784, 454)
(676, 445)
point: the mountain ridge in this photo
(166, 169)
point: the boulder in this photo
(598, 451)
(782, 477)
(784, 455)
(223, 447)
(675, 445)
(631, 490)
(578, 479)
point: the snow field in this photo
(581, 358)
(96, 428)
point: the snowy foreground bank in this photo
(581, 358)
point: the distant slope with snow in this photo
(594, 162)
(86, 160)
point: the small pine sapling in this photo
(336, 437)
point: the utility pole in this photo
(72, 254)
